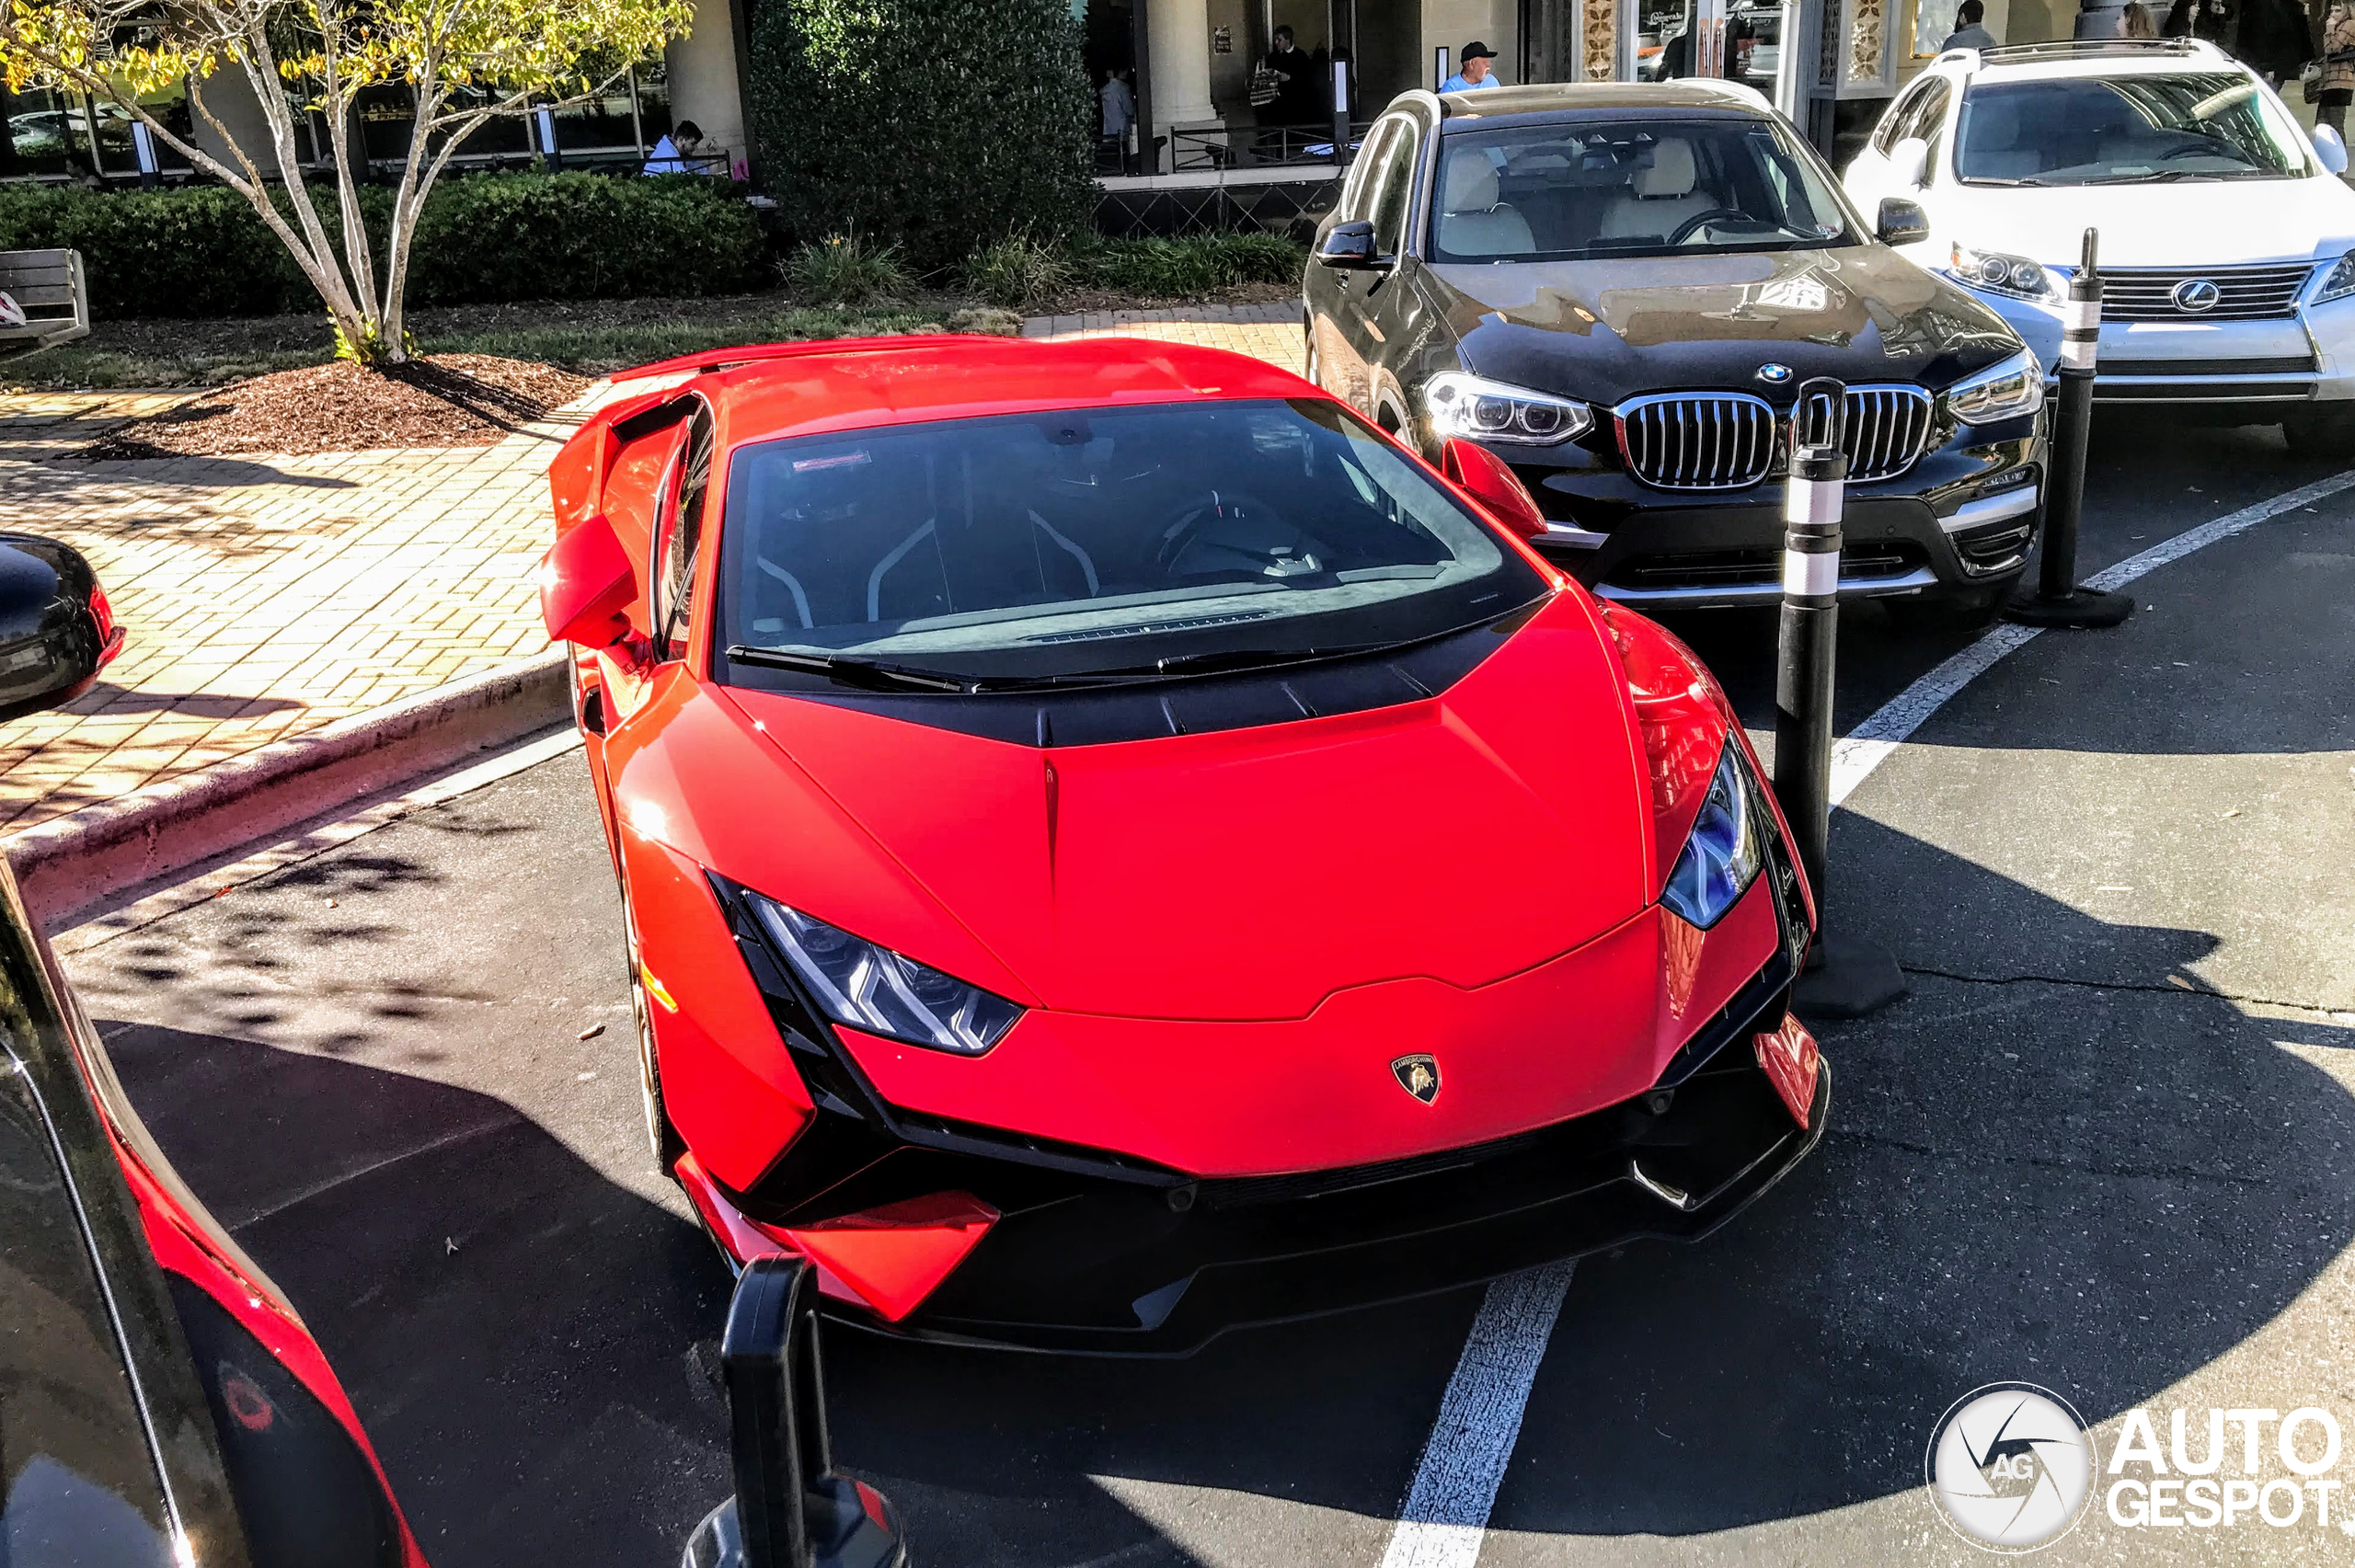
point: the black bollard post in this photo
(790, 1509)
(1844, 978)
(2057, 600)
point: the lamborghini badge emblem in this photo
(1419, 1076)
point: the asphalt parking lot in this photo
(2106, 1145)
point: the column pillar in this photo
(1177, 41)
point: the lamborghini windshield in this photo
(1679, 187)
(1095, 540)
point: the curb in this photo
(67, 866)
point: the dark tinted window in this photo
(1099, 539)
(1394, 193)
(682, 536)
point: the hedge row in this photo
(201, 251)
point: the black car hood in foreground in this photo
(1608, 329)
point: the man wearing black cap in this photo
(1473, 71)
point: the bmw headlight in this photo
(871, 988)
(2002, 391)
(1726, 849)
(1461, 404)
(2014, 275)
(2338, 283)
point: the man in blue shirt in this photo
(1474, 70)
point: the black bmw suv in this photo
(1620, 289)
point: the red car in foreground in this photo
(1114, 847)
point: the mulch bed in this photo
(443, 400)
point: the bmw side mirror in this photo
(1349, 247)
(1909, 163)
(587, 585)
(1489, 480)
(2331, 149)
(56, 629)
(1902, 222)
(790, 1509)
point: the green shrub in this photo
(936, 125)
(1019, 270)
(1183, 268)
(582, 236)
(847, 270)
(201, 251)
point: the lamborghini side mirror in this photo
(587, 584)
(57, 631)
(1492, 481)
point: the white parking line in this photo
(1463, 1461)
(1446, 1510)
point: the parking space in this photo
(2105, 1145)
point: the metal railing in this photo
(1256, 146)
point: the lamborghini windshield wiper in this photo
(874, 674)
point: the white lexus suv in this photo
(2225, 232)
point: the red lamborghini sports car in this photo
(1115, 847)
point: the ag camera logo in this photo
(2011, 1467)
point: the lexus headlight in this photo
(2338, 283)
(1724, 852)
(1461, 404)
(2015, 275)
(871, 988)
(2004, 391)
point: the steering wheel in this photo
(1189, 521)
(1686, 229)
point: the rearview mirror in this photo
(1902, 222)
(1494, 485)
(1351, 247)
(586, 585)
(2331, 149)
(56, 629)
(1909, 163)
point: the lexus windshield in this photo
(1097, 542)
(1632, 188)
(2125, 131)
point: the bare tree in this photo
(464, 62)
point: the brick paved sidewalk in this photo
(1270, 332)
(263, 597)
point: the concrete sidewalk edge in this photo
(69, 864)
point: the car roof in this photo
(1559, 99)
(797, 389)
(2090, 57)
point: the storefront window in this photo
(47, 135)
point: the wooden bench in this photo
(48, 285)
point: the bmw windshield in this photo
(2193, 125)
(1097, 544)
(1682, 187)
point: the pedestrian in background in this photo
(2336, 87)
(679, 152)
(1119, 113)
(1971, 28)
(1297, 90)
(2135, 21)
(2274, 39)
(1472, 70)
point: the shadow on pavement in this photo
(2097, 1189)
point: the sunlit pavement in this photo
(2105, 1146)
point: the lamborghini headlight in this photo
(1461, 404)
(1726, 849)
(2338, 283)
(866, 987)
(2004, 391)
